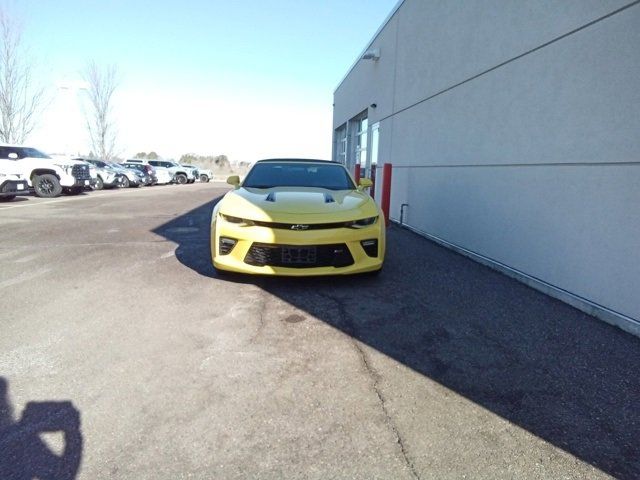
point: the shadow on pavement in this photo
(560, 374)
(24, 455)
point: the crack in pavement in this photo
(374, 376)
(261, 314)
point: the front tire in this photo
(181, 179)
(204, 178)
(46, 186)
(99, 184)
(125, 182)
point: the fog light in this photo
(370, 247)
(226, 245)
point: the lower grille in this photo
(299, 256)
(81, 172)
(10, 187)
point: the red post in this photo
(356, 173)
(385, 198)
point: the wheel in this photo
(99, 184)
(7, 198)
(46, 185)
(181, 178)
(125, 182)
(204, 178)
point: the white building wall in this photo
(533, 164)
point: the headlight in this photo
(238, 220)
(365, 222)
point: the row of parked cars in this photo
(25, 169)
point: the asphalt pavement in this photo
(124, 355)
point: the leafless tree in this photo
(101, 85)
(20, 98)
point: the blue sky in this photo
(205, 76)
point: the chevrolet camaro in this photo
(298, 218)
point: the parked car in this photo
(163, 174)
(181, 175)
(200, 173)
(148, 175)
(11, 184)
(298, 218)
(127, 178)
(205, 175)
(107, 175)
(47, 176)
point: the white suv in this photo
(180, 174)
(47, 177)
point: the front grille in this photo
(81, 172)
(299, 256)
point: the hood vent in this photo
(328, 198)
(271, 197)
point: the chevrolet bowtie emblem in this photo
(299, 227)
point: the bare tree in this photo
(20, 99)
(101, 85)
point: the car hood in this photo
(298, 204)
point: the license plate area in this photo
(299, 255)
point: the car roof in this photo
(298, 160)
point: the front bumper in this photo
(133, 179)
(13, 187)
(270, 239)
(71, 181)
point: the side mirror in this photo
(365, 183)
(234, 180)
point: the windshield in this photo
(298, 174)
(33, 153)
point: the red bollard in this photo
(356, 173)
(385, 200)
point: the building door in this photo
(362, 132)
(372, 162)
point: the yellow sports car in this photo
(298, 218)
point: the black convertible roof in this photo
(309, 160)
